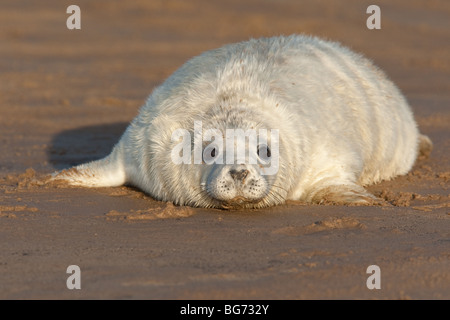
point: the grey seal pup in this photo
(309, 120)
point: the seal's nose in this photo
(239, 175)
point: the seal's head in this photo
(232, 155)
(236, 185)
(240, 158)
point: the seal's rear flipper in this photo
(425, 146)
(106, 172)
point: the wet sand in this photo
(66, 96)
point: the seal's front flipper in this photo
(106, 172)
(352, 194)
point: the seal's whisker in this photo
(276, 186)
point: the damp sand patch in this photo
(166, 211)
(327, 224)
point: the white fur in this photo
(342, 123)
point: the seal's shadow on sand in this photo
(77, 146)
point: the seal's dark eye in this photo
(210, 153)
(263, 152)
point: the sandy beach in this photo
(66, 97)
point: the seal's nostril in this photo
(239, 175)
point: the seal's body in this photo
(341, 123)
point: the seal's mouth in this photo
(238, 202)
